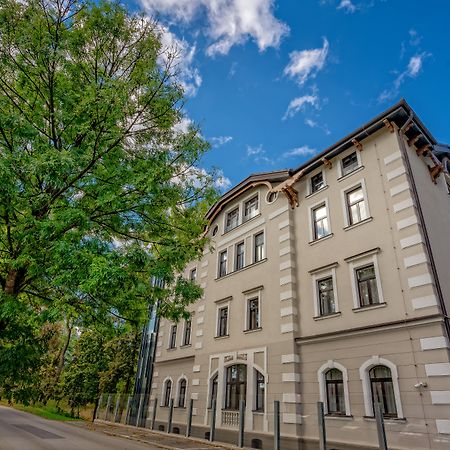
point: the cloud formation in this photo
(305, 64)
(229, 22)
(258, 154)
(298, 103)
(347, 6)
(304, 150)
(220, 140)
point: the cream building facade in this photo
(329, 282)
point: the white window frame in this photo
(360, 261)
(311, 209)
(225, 216)
(182, 344)
(367, 392)
(226, 263)
(358, 156)
(219, 306)
(345, 211)
(245, 200)
(235, 256)
(248, 296)
(163, 391)
(170, 336)
(330, 364)
(320, 275)
(310, 191)
(177, 398)
(264, 254)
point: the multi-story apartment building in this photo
(329, 282)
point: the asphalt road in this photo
(24, 431)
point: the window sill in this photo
(316, 241)
(386, 419)
(344, 177)
(241, 270)
(338, 417)
(225, 336)
(179, 407)
(354, 225)
(241, 223)
(252, 330)
(312, 194)
(171, 349)
(327, 316)
(185, 345)
(368, 307)
(260, 412)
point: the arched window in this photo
(167, 392)
(382, 389)
(259, 391)
(335, 391)
(213, 391)
(236, 385)
(182, 393)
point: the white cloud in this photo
(313, 124)
(220, 140)
(305, 64)
(298, 103)
(186, 74)
(183, 125)
(222, 182)
(304, 150)
(347, 6)
(229, 22)
(413, 69)
(258, 154)
(252, 151)
(414, 38)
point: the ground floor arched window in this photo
(382, 389)
(236, 385)
(334, 383)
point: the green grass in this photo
(49, 411)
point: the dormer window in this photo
(232, 219)
(251, 208)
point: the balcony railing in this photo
(230, 418)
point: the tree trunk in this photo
(62, 354)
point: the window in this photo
(382, 389)
(251, 208)
(367, 285)
(349, 163)
(317, 182)
(232, 219)
(236, 386)
(240, 256)
(260, 391)
(321, 226)
(173, 337)
(335, 391)
(182, 393)
(222, 263)
(193, 275)
(325, 293)
(356, 206)
(167, 393)
(259, 247)
(214, 386)
(187, 332)
(253, 321)
(222, 322)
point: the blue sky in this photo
(271, 83)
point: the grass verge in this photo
(48, 411)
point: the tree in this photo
(99, 188)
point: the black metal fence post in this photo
(155, 405)
(382, 443)
(189, 418)
(276, 425)
(322, 429)
(212, 430)
(241, 423)
(169, 421)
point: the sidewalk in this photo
(158, 438)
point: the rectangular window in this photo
(251, 208)
(320, 222)
(367, 285)
(187, 332)
(222, 325)
(253, 321)
(317, 182)
(356, 205)
(173, 337)
(349, 163)
(232, 219)
(239, 263)
(259, 247)
(326, 296)
(260, 391)
(193, 275)
(222, 263)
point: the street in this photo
(24, 431)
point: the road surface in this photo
(24, 431)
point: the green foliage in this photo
(99, 190)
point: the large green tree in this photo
(99, 188)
